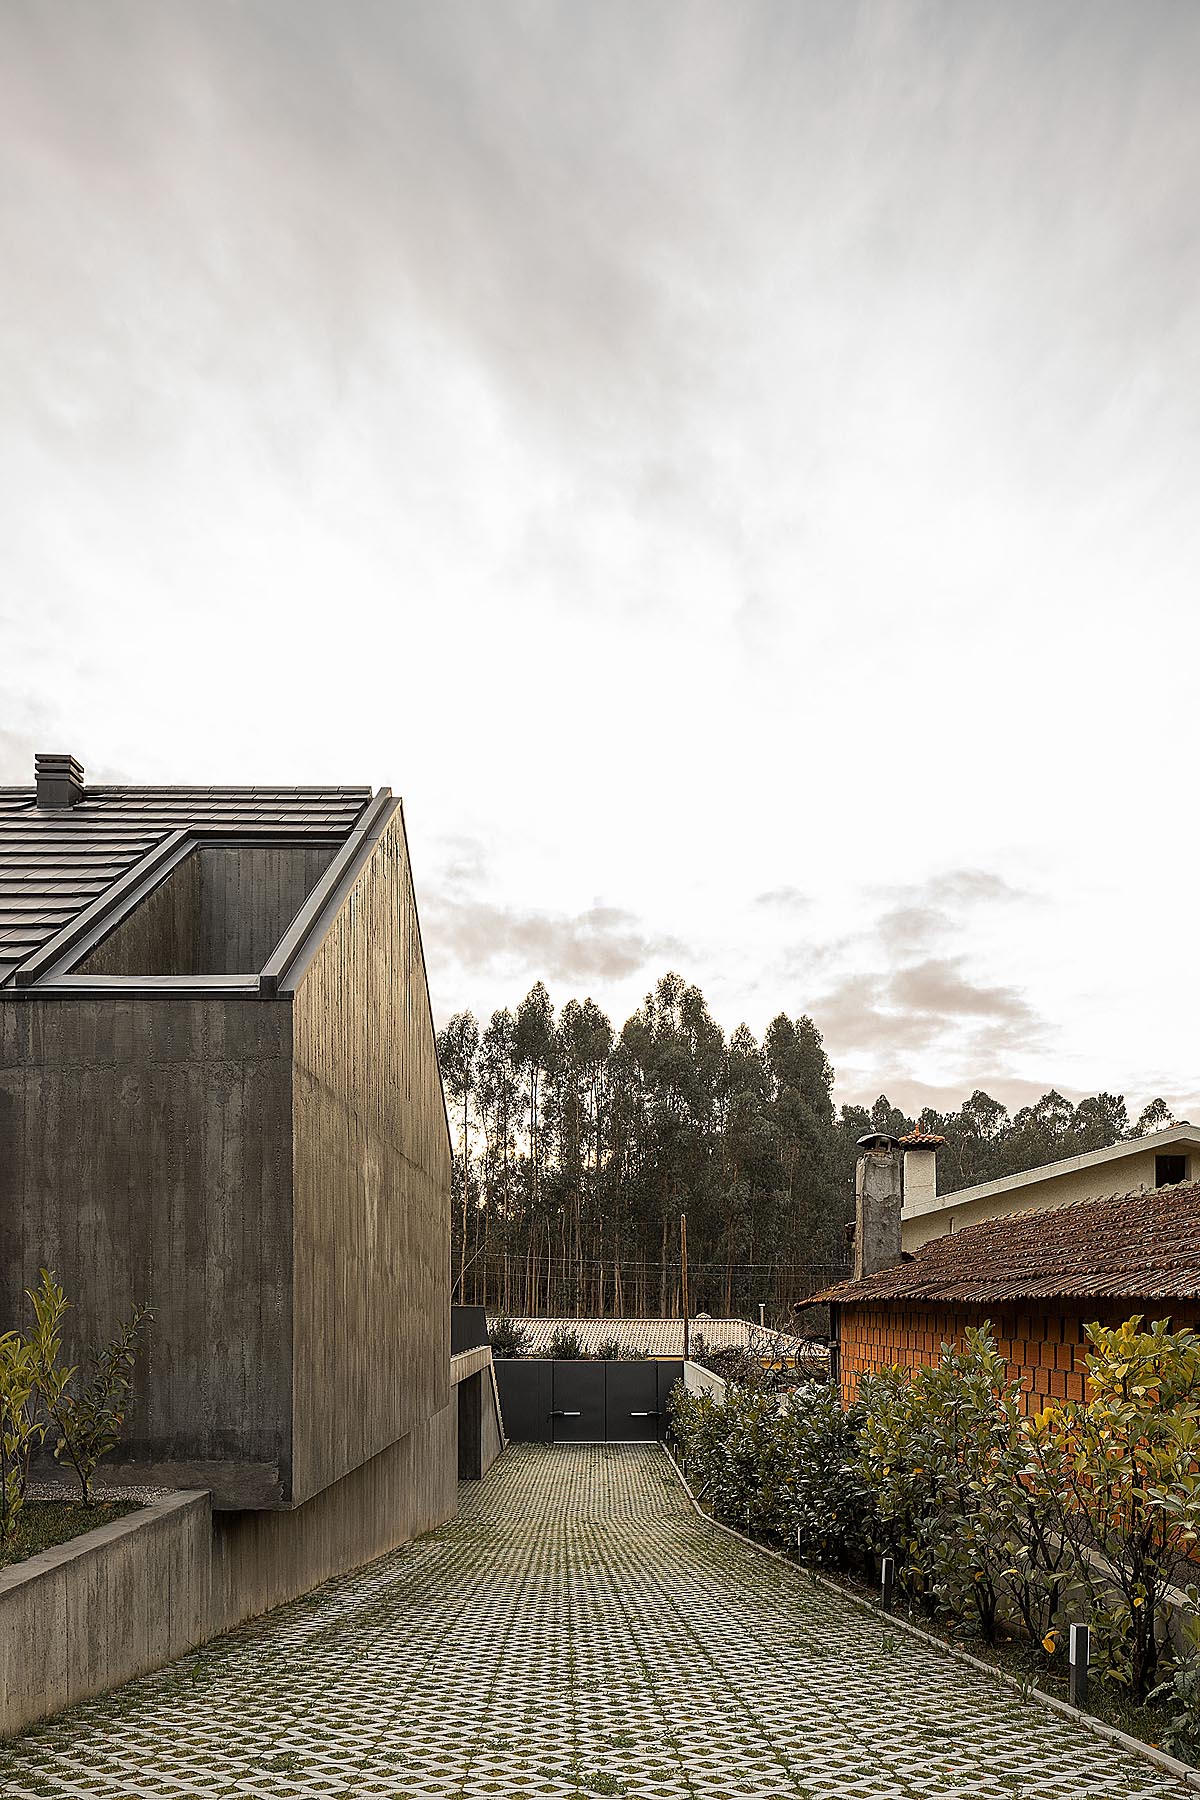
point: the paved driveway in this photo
(576, 1632)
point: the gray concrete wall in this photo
(135, 1594)
(371, 1338)
(699, 1380)
(107, 1606)
(221, 911)
(261, 1559)
(146, 1150)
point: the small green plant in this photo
(88, 1421)
(20, 1429)
(610, 1349)
(566, 1344)
(507, 1338)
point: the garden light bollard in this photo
(1079, 1653)
(887, 1581)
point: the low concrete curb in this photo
(105, 1606)
(1169, 1764)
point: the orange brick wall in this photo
(1043, 1343)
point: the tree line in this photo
(577, 1146)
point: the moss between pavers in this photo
(42, 1524)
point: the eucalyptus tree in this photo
(458, 1054)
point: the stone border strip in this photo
(112, 1603)
(1171, 1765)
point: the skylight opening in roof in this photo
(220, 911)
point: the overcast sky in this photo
(733, 468)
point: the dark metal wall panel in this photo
(526, 1400)
(372, 1183)
(631, 1402)
(578, 1409)
(563, 1402)
(468, 1328)
(670, 1374)
(145, 1155)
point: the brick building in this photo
(1036, 1278)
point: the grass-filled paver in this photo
(576, 1632)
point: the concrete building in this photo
(1160, 1159)
(219, 1095)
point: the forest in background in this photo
(577, 1146)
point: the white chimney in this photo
(920, 1150)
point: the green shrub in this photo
(1120, 1474)
(1080, 1511)
(780, 1469)
(20, 1429)
(39, 1393)
(88, 1418)
(831, 1510)
(611, 1349)
(566, 1344)
(941, 1453)
(507, 1338)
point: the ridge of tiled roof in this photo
(659, 1337)
(1144, 1245)
(54, 861)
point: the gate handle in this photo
(645, 1415)
(566, 1415)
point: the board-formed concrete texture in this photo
(103, 1607)
(576, 1632)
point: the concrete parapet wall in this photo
(699, 1380)
(480, 1421)
(106, 1606)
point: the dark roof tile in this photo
(54, 862)
(1137, 1246)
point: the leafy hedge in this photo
(1086, 1510)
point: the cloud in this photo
(929, 1005)
(906, 989)
(486, 936)
(938, 985)
(969, 886)
(788, 897)
(482, 935)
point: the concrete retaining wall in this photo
(261, 1559)
(130, 1596)
(109, 1605)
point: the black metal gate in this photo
(584, 1402)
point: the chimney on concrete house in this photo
(919, 1149)
(59, 780)
(877, 1197)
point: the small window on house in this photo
(1169, 1169)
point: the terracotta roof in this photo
(1137, 1246)
(54, 861)
(921, 1140)
(664, 1337)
